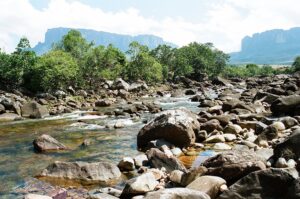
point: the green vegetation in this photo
(76, 62)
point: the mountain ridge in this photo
(120, 41)
(277, 46)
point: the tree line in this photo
(76, 62)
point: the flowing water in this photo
(19, 161)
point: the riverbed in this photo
(18, 160)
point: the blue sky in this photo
(222, 22)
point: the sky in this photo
(222, 22)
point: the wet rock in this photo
(232, 165)
(104, 102)
(34, 110)
(97, 172)
(119, 124)
(176, 193)
(175, 126)
(289, 148)
(271, 183)
(126, 164)
(47, 143)
(139, 185)
(140, 160)
(208, 184)
(5, 117)
(2, 109)
(285, 105)
(158, 159)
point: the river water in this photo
(18, 160)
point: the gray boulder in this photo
(289, 148)
(121, 84)
(97, 172)
(233, 165)
(139, 185)
(47, 143)
(158, 159)
(285, 105)
(34, 110)
(175, 126)
(267, 184)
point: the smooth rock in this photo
(176, 176)
(36, 196)
(233, 129)
(221, 146)
(139, 185)
(158, 159)
(126, 164)
(47, 143)
(281, 163)
(140, 160)
(215, 139)
(97, 172)
(232, 165)
(208, 184)
(34, 110)
(175, 126)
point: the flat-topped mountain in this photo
(270, 47)
(100, 38)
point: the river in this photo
(18, 160)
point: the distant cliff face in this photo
(100, 38)
(270, 47)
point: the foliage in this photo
(249, 70)
(54, 70)
(74, 43)
(142, 65)
(296, 64)
(197, 58)
(14, 66)
(101, 62)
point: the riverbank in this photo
(233, 135)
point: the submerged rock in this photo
(175, 126)
(97, 172)
(47, 143)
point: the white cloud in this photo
(225, 24)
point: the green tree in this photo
(142, 65)
(54, 70)
(296, 64)
(74, 43)
(253, 69)
(101, 62)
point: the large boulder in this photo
(140, 185)
(208, 184)
(176, 193)
(47, 143)
(158, 159)
(84, 172)
(289, 148)
(285, 105)
(267, 184)
(233, 165)
(121, 84)
(175, 126)
(34, 110)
